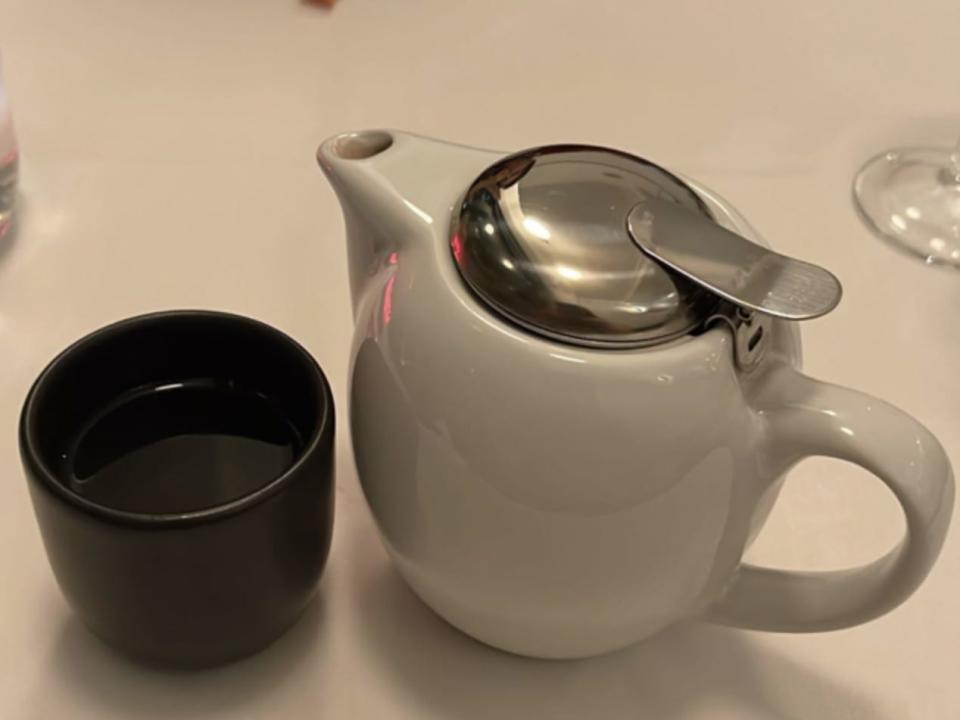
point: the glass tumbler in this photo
(8, 161)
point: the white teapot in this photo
(575, 393)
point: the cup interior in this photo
(272, 386)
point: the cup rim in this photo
(40, 472)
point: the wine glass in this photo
(911, 197)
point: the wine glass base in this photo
(911, 198)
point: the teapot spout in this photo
(393, 187)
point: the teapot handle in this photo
(807, 417)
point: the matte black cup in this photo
(214, 583)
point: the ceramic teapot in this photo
(575, 392)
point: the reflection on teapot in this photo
(575, 393)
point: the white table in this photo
(168, 162)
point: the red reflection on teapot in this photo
(387, 311)
(457, 244)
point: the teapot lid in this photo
(596, 247)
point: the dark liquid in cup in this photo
(181, 446)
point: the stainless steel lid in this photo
(596, 247)
(542, 238)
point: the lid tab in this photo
(748, 275)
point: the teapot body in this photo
(549, 500)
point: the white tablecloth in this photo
(167, 161)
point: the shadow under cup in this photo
(181, 470)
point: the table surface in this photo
(167, 161)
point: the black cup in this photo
(206, 585)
